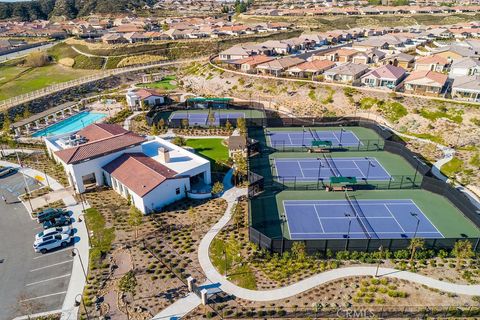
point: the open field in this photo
(167, 83)
(325, 23)
(16, 80)
(212, 149)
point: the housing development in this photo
(239, 159)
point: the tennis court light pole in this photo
(415, 215)
(348, 232)
(319, 172)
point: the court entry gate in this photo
(201, 293)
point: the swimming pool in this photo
(74, 123)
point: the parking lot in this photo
(31, 282)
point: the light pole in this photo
(341, 134)
(379, 260)
(415, 215)
(81, 262)
(79, 302)
(368, 168)
(348, 231)
(319, 172)
(303, 135)
(225, 257)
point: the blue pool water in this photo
(74, 123)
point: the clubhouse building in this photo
(150, 172)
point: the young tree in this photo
(240, 163)
(299, 251)
(237, 215)
(228, 126)
(128, 284)
(211, 118)
(135, 219)
(185, 123)
(161, 123)
(242, 126)
(154, 130)
(6, 123)
(462, 250)
(26, 113)
(217, 187)
(179, 141)
(415, 244)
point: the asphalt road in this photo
(30, 282)
(25, 52)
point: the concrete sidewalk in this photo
(180, 308)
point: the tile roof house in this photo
(466, 88)
(400, 59)
(278, 66)
(338, 55)
(249, 64)
(151, 173)
(369, 56)
(310, 68)
(387, 76)
(426, 82)
(456, 52)
(150, 97)
(235, 53)
(347, 73)
(431, 63)
(465, 67)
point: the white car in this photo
(51, 242)
(53, 231)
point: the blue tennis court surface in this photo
(305, 137)
(201, 119)
(375, 219)
(312, 169)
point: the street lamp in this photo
(81, 262)
(303, 135)
(415, 215)
(80, 301)
(341, 134)
(348, 232)
(368, 168)
(379, 260)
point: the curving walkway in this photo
(281, 293)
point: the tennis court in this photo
(305, 137)
(312, 169)
(202, 118)
(357, 219)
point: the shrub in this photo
(140, 59)
(36, 59)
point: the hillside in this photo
(46, 9)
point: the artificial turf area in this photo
(443, 215)
(211, 148)
(248, 113)
(164, 84)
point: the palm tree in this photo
(462, 250)
(415, 243)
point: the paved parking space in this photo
(29, 280)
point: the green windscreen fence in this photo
(343, 180)
(321, 143)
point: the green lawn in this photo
(213, 149)
(19, 80)
(164, 84)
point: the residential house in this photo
(371, 43)
(314, 39)
(237, 144)
(346, 73)
(113, 38)
(455, 52)
(367, 57)
(249, 64)
(431, 63)
(341, 55)
(310, 69)
(465, 67)
(403, 60)
(236, 53)
(466, 88)
(277, 47)
(426, 82)
(137, 98)
(386, 76)
(278, 66)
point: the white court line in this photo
(46, 280)
(52, 253)
(336, 138)
(395, 218)
(420, 210)
(286, 218)
(357, 232)
(45, 296)
(358, 168)
(318, 217)
(51, 265)
(336, 204)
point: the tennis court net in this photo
(364, 228)
(331, 164)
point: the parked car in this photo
(6, 171)
(51, 213)
(51, 242)
(57, 222)
(53, 231)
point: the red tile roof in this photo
(97, 148)
(254, 60)
(432, 59)
(146, 93)
(99, 131)
(138, 172)
(428, 76)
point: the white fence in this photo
(14, 101)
